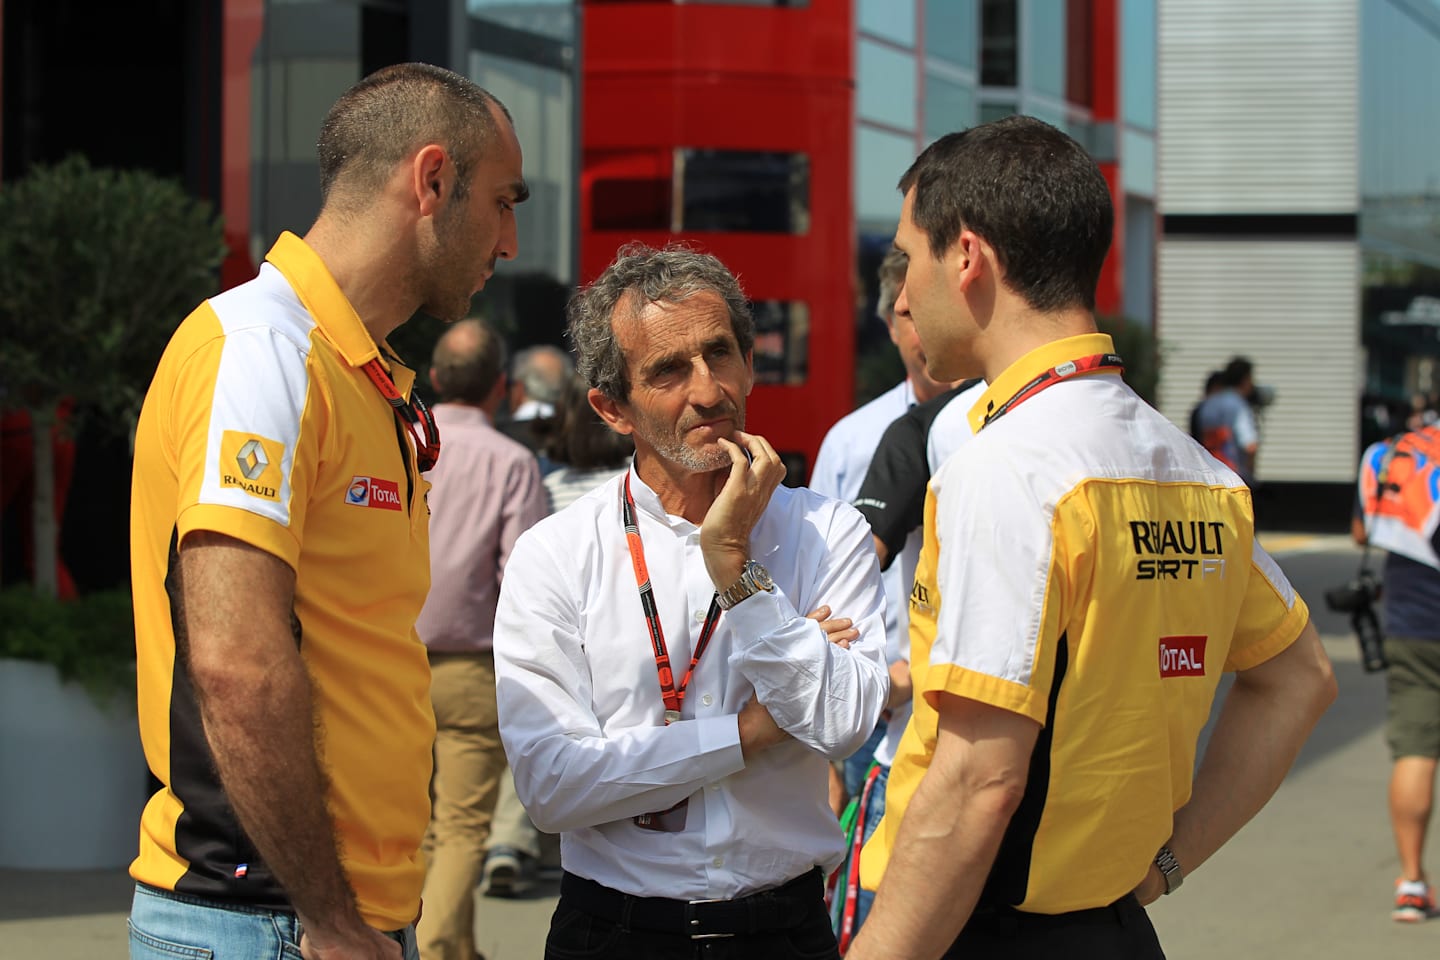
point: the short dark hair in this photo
(467, 368)
(396, 110)
(1032, 192)
(670, 275)
(1236, 371)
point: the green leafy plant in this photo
(99, 268)
(90, 641)
(1142, 352)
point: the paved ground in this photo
(1311, 876)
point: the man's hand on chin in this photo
(744, 493)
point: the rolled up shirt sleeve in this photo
(570, 772)
(825, 696)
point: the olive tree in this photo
(97, 267)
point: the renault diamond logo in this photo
(251, 459)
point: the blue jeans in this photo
(858, 762)
(173, 926)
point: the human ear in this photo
(610, 411)
(966, 259)
(428, 172)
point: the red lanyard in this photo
(427, 451)
(673, 697)
(1099, 363)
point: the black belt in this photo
(781, 908)
(991, 919)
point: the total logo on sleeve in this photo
(374, 492)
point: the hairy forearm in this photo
(943, 853)
(951, 833)
(260, 724)
(1259, 733)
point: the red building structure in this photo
(729, 128)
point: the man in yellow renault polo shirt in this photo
(1087, 574)
(280, 546)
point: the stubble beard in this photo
(671, 445)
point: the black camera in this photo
(1358, 598)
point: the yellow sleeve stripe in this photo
(983, 688)
(1286, 633)
(252, 528)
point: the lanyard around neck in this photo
(427, 450)
(1098, 363)
(673, 697)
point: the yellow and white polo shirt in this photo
(262, 425)
(1089, 566)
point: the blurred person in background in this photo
(892, 500)
(1399, 513)
(1213, 381)
(840, 467)
(1422, 412)
(537, 375)
(483, 495)
(1226, 420)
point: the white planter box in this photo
(72, 776)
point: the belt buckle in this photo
(694, 921)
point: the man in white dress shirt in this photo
(663, 703)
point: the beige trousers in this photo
(469, 763)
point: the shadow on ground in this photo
(34, 894)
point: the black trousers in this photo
(1121, 931)
(595, 923)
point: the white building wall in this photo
(1291, 307)
(1258, 118)
(1259, 105)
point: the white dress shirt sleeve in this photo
(825, 696)
(569, 771)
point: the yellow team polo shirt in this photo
(260, 424)
(1091, 567)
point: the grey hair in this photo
(537, 380)
(892, 278)
(642, 275)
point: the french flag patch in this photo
(241, 870)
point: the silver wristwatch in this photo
(1170, 870)
(753, 579)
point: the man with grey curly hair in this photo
(729, 755)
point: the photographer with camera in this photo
(1399, 505)
(1224, 422)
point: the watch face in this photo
(761, 577)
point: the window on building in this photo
(743, 191)
(881, 158)
(892, 19)
(999, 51)
(997, 109)
(782, 341)
(951, 31)
(1138, 40)
(724, 191)
(949, 106)
(1044, 40)
(885, 79)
